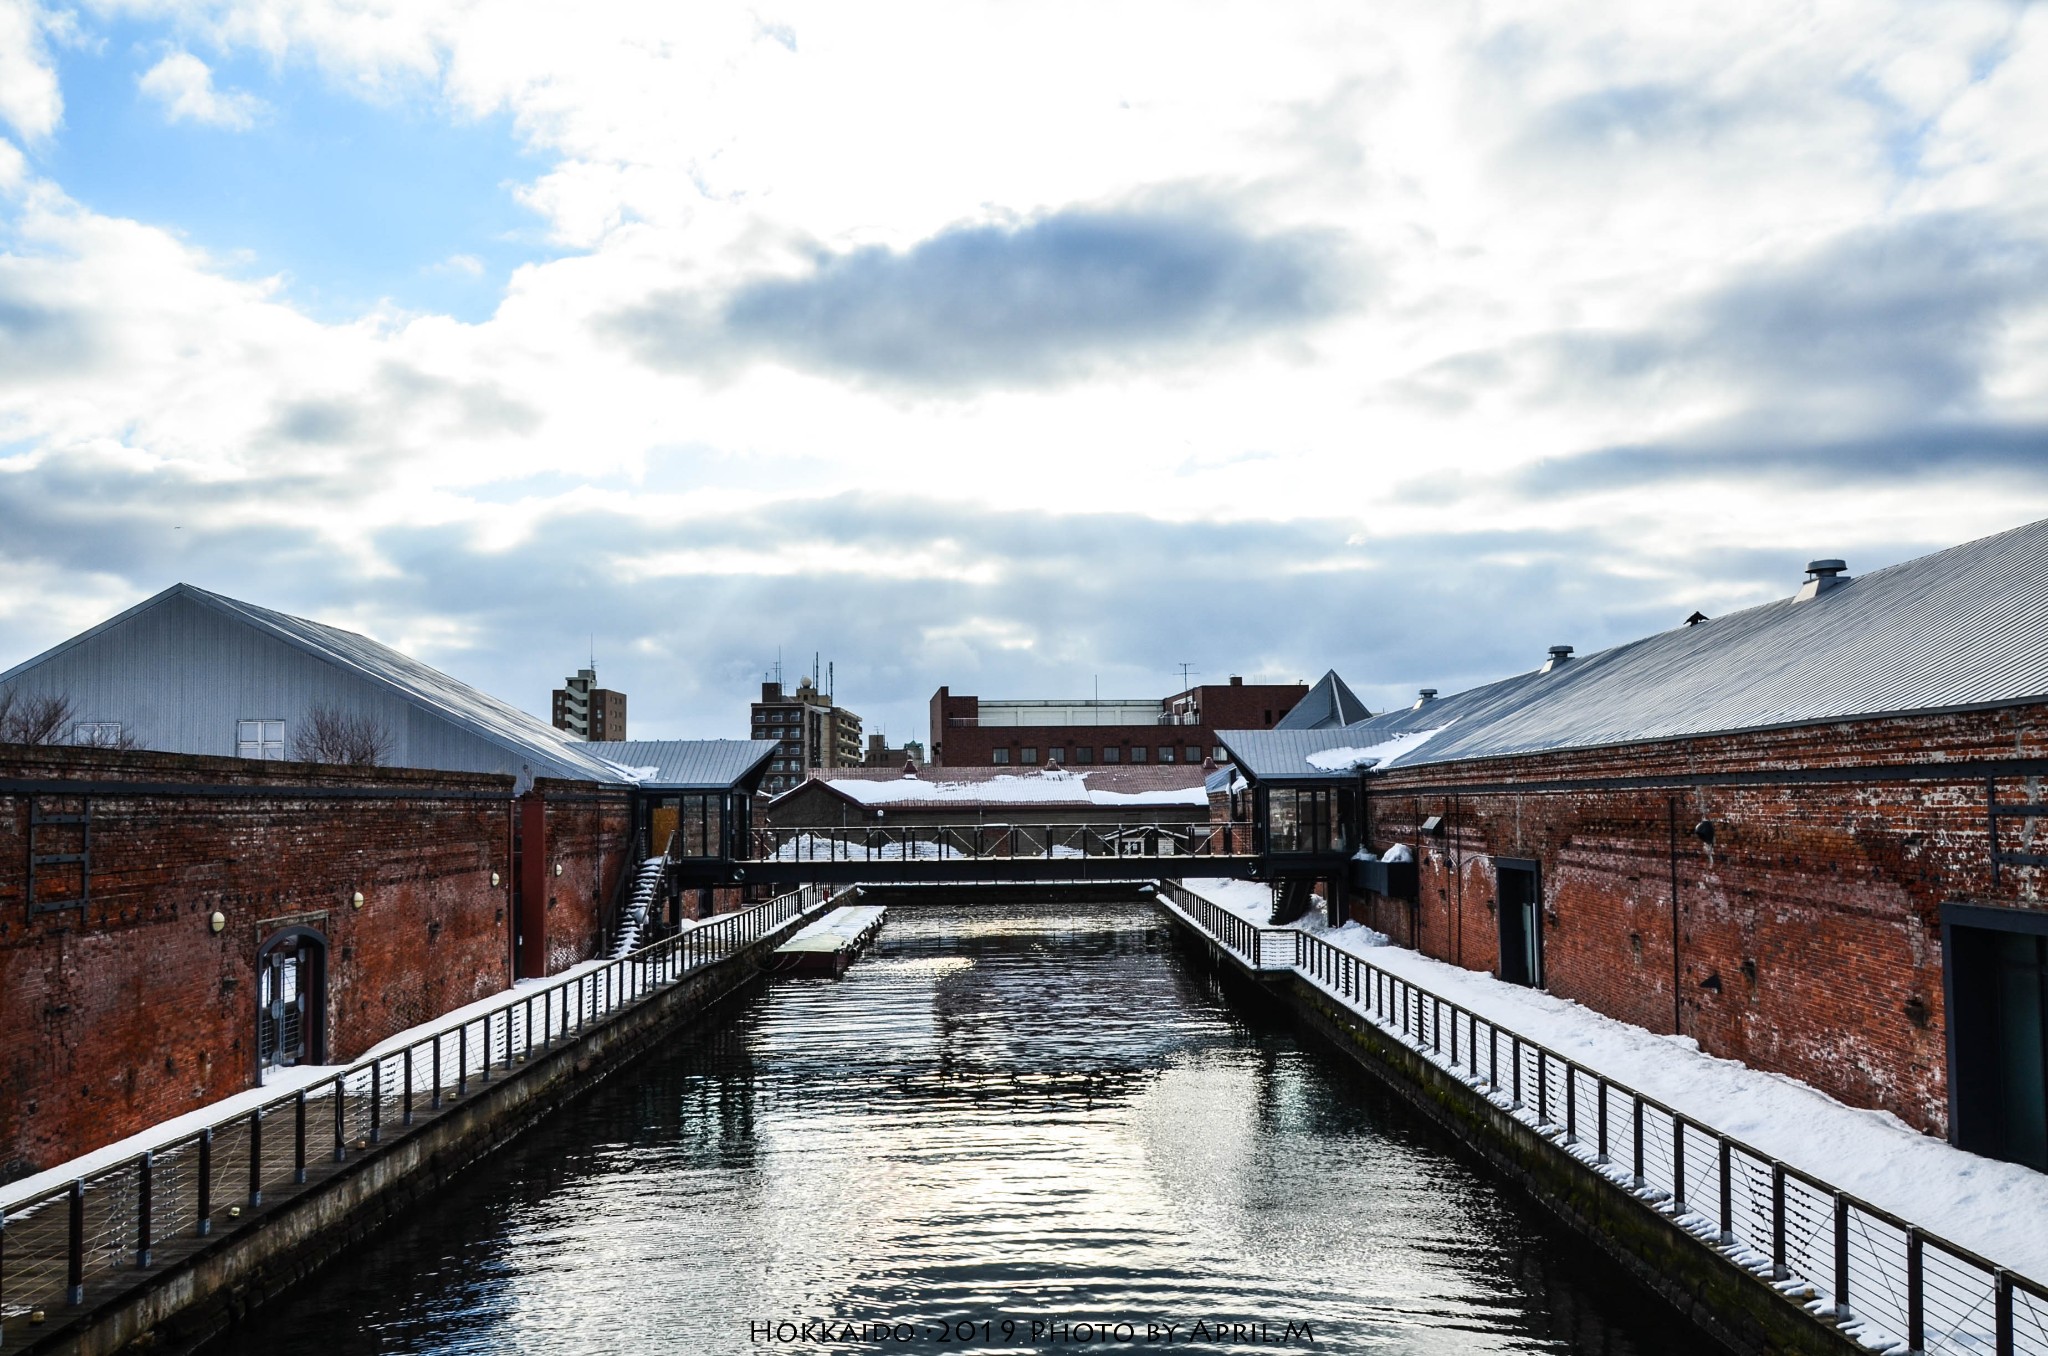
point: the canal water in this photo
(1043, 1121)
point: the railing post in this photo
(204, 1224)
(1841, 1255)
(2002, 1311)
(256, 1157)
(406, 1103)
(1515, 1050)
(145, 1173)
(1727, 1193)
(1492, 1058)
(377, 1101)
(462, 1060)
(1779, 1269)
(299, 1138)
(487, 1040)
(1454, 1039)
(340, 1118)
(1916, 1297)
(74, 1258)
(1542, 1086)
(1571, 1104)
(1600, 1095)
(1677, 1165)
(1638, 1104)
(437, 1071)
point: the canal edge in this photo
(185, 1305)
(1727, 1303)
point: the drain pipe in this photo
(1677, 1002)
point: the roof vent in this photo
(1696, 618)
(1821, 575)
(1428, 696)
(1558, 655)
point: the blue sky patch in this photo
(355, 201)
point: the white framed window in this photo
(105, 733)
(1137, 753)
(1000, 757)
(1030, 755)
(1110, 753)
(260, 739)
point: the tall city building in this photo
(815, 733)
(1079, 732)
(588, 711)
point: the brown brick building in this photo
(132, 983)
(972, 732)
(1805, 835)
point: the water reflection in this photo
(1040, 1113)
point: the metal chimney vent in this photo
(1428, 695)
(1822, 575)
(1558, 655)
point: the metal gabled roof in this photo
(1964, 627)
(541, 746)
(1326, 704)
(688, 764)
(1282, 755)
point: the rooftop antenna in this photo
(1186, 669)
(593, 654)
(831, 682)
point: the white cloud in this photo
(29, 98)
(1570, 214)
(13, 169)
(183, 84)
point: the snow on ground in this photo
(1330, 760)
(848, 923)
(1997, 1209)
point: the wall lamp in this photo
(1433, 826)
(218, 922)
(494, 880)
(357, 901)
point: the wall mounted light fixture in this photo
(558, 868)
(494, 879)
(358, 900)
(219, 920)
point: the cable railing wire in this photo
(1886, 1282)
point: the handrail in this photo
(1888, 1281)
(112, 1221)
(879, 842)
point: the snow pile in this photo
(1332, 760)
(633, 774)
(848, 924)
(645, 885)
(1994, 1208)
(1399, 852)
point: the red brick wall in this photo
(1817, 905)
(1223, 707)
(134, 1010)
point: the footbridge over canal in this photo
(874, 854)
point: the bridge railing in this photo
(104, 1227)
(1884, 1280)
(981, 842)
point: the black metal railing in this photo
(1884, 1280)
(101, 1229)
(982, 842)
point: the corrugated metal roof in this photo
(548, 751)
(1963, 627)
(688, 764)
(1282, 755)
(1328, 703)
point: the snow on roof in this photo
(1963, 627)
(1370, 755)
(1172, 785)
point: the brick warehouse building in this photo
(1804, 834)
(971, 732)
(130, 984)
(352, 902)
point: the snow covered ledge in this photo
(1999, 1210)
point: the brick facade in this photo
(960, 740)
(133, 1010)
(1807, 932)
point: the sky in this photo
(1032, 349)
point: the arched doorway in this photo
(291, 999)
